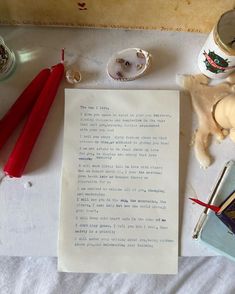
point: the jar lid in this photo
(224, 33)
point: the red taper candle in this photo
(24, 145)
(22, 106)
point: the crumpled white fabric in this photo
(38, 275)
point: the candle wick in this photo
(2, 177)
(62, 55)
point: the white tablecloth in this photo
(28, 219)
(38, 275)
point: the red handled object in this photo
(212, 207)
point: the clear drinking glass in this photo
(7, 60)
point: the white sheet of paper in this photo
(119, 194)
